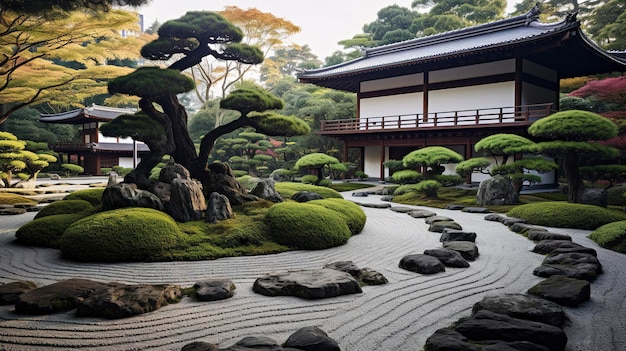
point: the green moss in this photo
(287, 189)
(352, 213)
(611, 236)
(305, 226)
(617, 195)
(406, 176)
(46, 231)
(341, 187)
(94, 196)
(65, 207)
(129, 234)
(308, 179)
(566, 215)
(12, 199)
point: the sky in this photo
(323, 23)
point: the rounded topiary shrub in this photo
(94, 196)
(65, 207)
(128, 234)
(406, 176)
(46, 231)
(309, 179)
(566, 215)
(306, 226)
(287, 189)
(352, 213)
(611, 236)
(617, 195)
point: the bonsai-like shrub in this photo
(566, 215)
(433, 158)
(317, 162)
(611, 236)
(361, 175)
(404, 189)
(128, 234)
(406, 176)
(449, 179)
(93, 196)
(65, 207)
(46, 231)
(287, 189)
(429, 187)
(325, 183)
(352, 213)
(73, 169)
(617, 195)
(309, 179)
(305, 226)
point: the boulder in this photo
(454, 207)
(449, 234)
(10, 292)
(57, 297)
(467, 249)
(486, 325)
(366, 276)
(401, 209)
(433, 219)
(369, 276)
(595, 196)
(588, 272)
(547, 246)
(200, 346)
(307, 284)
(254, 343)
(187, 201)
(163, 191)
(305, 196)
(523, 228)
(345, 266)
(214, 289)
(497, 190)
(122, 301)
(449, 258)
(128, 195)
(515, 346)
(538, 235)
(219, 208)
(572, 259)
(112, 180)
(421, 213)
(374, 205)
(222, 180)
(563, 290)
(265, 189)
(476, 210)
(440, 226)
(523, 307)
(311, 339)
(173, 171)
(423, 264)
(449, 340)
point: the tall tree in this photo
(607, 25)
(55, 8)
(446, 15)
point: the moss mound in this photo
(93, 196)
(349, 211)
(306, 226)
(617, 195)
(46, 231)
(287, 189)
(566, 215)
(65, 207)
(129, 234)
(12, 199)
(611, 236)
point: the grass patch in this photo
(12, 199)
(345, 186)
(93, 196)
(611, 236)
(566, 215)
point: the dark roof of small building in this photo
(120, 147)
(561, 46)
(93, 113)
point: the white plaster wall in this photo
(393, 82)
(474, 97)
(472, 71)
(371, 161)
(104, 139)
(127, 162)
(399, 110)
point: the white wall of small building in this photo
(127, 162)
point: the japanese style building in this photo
(96, 151)
(453, 89)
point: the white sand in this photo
(396, 316)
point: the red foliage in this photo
(612, 90)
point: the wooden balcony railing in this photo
(441, 120)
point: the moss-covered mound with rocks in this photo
(306, 226)
(287, 189)
(566, 215)
(46, 231)
(93, 196)
(352, 213)
(12, 199)
(611, 236)
(65, 207)
(129, 234)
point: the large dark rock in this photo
(222, 180)
(10, 292)
(265, 190)
(433, 219)
(366, 276)
(563, 290)
(305, 196)
(307, 284)
(588, 272)
(219, 208)
(423, 264)
(467, 249)
(487, 325)
(122, 301)
(187, 201)
(214, 289)
(449, 340)
(539, 235)
(254, 343)
(524, 307)
(173, 171)
(497, 190)
(547, 246)
(421, 213)
(449, 234)
(311, 339)
(128, 195)
(57, 297)
(449, 258)
(595, 196)
(440, 226)
(200, 346)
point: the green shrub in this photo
(65, 207)
(72, 168)
(308, 179)
(405, 189)
(46, 231)
(566, 215)
(305, 226)
(449, 179)
(239, 172)
(428, 187)
(121, 171)
(617, 195)
(361, 175)
(406, 176)
(287, 189)
(12, 199)
(352, 213)
(93, 196)
(128, 234)
(248, 181)
(105, 170)
(325, 183)
(611, 236)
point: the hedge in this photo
(352, 213)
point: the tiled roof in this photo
(83, 115)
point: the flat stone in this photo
(563, 290)
(547, 246)
(440, 226)
(573, 259)
(307, 284)
(423, 264)
(11, 211)
(57, 297)
(449, 340)
(360, 194)
(538, 235)
(385, 205)
(523, 228)
(254, 343)
(421, 213)
(401, 209)
(387, 198)
(588, 272)
(467, 249)
(494, 217)
(449, 234)
(449, 258)
(200, 346)
(523, 306)
(454, 207)
(214, 289)
(476, 210)
(10, 292)
(311, 338)
(433, 219)
(369, 276)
